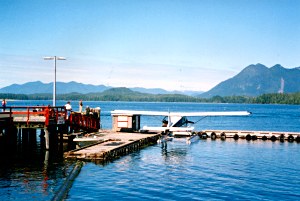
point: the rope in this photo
(199, 120)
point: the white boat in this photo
(88, 139)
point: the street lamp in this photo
(55, 58)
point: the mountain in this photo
(113, 94)
(61, 88)
(162, 91)
(258, 79)
(70, 87)
(151, 90)
(254, 80)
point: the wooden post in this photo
(47, 138)
(24, 137)
(32, 136)
(46, 159)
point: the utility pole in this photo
(55, 58)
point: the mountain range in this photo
(253, 80)
(256, 80)
(70, 87)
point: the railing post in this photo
(27, 116)
(46, 114)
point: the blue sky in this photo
(170, 44)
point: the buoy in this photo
(254, 137)
(223, 136)
(298, 139)
(291, 138)
(248, 137)
(281, 138)
(204, 136)
(273, 138)
(236, 137)
(264, 137)
(213, 136)
(200, 134)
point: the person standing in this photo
(68, 108)
(80, 106)
(4, 104)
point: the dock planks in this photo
(113, 145)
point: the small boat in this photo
(89, 139)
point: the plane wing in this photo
(139, 112)
(190, 114)
(222, 113)
(173, 129)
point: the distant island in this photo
(124, 94)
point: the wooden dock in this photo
(113, 145)
(53, 121)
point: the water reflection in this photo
(171, 152)
(28, 171)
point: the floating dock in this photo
(113, 145)
(250, 135)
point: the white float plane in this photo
(176, 123)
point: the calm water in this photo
(204, 170)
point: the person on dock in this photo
(3, 104)
(69, 109)
(87, 111)
(80, 106)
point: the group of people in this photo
(88, 110)
(69, 106)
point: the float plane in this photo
(176, 124)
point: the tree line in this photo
(274, 98)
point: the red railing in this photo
(85, 122)
(53, 115)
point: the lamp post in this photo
(55, 58)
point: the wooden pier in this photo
(113, 145)
(53, 122)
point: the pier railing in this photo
(34, 114)
(43, 116)
(90, 122)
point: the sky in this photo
(169, 44)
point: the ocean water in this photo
(203, 170)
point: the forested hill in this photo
(255, 80)
(125, 94)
